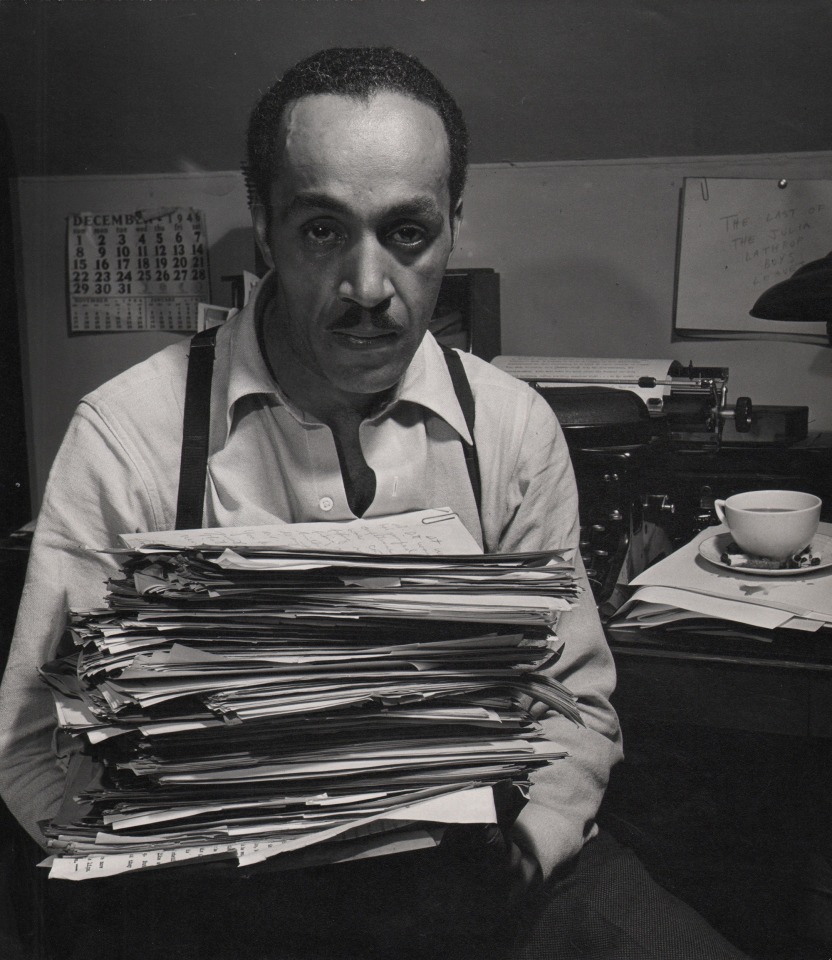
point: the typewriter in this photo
(654, 443)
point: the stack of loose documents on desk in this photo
(304, 694)
(686, 592)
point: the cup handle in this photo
(720, 511)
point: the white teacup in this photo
(771, 523)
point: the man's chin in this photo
(371, 369)
(368, 381)
(369, 386)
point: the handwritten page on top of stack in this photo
(686, 586)
(246, 697)
(421, 533)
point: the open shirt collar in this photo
(425, 382)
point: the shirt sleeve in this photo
(542, 511)
(94, 491)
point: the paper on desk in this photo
(650, 379)
(808, 596)
(709, 606)
(419, 533)
(648, 614)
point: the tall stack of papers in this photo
(688, 592)
(251, 701)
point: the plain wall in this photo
(152, 86)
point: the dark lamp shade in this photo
(805, 296)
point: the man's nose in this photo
(365, 277)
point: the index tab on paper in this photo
(421, 533)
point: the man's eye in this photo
(407, 235)
(321, 234)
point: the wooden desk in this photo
(723, 793)
(783, 686)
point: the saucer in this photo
(713, 548)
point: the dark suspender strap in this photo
(196, 426)
(462, 388)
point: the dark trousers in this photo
(454, 903)
(607, 907)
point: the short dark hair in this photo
(356, 72)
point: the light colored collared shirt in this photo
(118, 468)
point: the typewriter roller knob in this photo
(741, 414)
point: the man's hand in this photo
(489, 847)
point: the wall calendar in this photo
(144, 270)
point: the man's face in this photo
(360, 236)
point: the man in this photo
(330, 401)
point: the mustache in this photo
(379, 316)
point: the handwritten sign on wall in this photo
(738, 238)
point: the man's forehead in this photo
(388, 130)
(324, 108)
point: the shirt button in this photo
(326, 504)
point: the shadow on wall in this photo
(821, 364)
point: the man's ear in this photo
(259, 220)
(456, 222)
